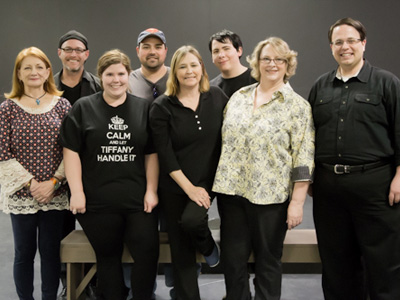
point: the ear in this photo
(59, 52)
(364, 43)
(137, 50)
(47, 73)
(240, 51)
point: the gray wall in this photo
(117, 23)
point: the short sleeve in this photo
(71, 129)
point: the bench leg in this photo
(74, 277)
(85, 281)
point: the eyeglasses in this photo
(155, 92)
(70, 50)
(277, 61)
(340, 43)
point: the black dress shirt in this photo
(188, 140)
(357, 121)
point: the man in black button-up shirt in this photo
(356, 110)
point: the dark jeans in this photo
(107, 233)
(247, 227)
(43, 231)
(187, 225)
(354, 221)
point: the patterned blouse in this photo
(267, 149)
(29, 149)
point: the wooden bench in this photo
(300, 246)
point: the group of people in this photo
(158, 144)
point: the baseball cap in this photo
(151, 32)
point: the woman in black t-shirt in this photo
(112, 171)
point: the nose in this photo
(272, 62)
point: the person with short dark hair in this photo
(356, 191)
(226, 50)
(32, 171)
(112, 171)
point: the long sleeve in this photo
(159, 122)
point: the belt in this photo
(340, 169)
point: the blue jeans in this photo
(42, 231)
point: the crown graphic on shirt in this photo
(117, 120)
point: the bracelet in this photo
(28, 185)
(56, 183)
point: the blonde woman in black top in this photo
(186, 124)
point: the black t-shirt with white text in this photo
(112, 143)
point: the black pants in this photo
(107, 233)
(246, 227)
(187, 225)
(353, 220)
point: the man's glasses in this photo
(340, 43)
(70, 50)
(155, 92)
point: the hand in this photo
(200, 196)
(43, 191)
(394, 193)
(294, 214)
(78, 203)
(150, 201)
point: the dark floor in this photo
(294, 286)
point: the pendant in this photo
(37, 101)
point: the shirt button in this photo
(346, 86)
(320, 101)
(340, 137)
(198, 122)
(199, 128)
(340, 155)
(344, 102)
(341, 120)
(196, 116)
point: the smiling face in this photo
(152, 53)
(33, 72)
(115, 81)
(349, 57)
(73, 62)
(272, 71)
(224, 55)
(189, 71)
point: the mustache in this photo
(152, 56)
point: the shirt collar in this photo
(362, 75)
(285, 91)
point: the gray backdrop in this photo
(116, 24)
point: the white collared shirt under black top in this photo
(188, 140)
(357, 121)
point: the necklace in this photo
(37, 99)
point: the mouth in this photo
(346, 54)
